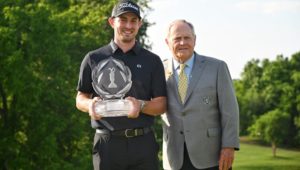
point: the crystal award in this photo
(111, 81)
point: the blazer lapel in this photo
(170, 78)
(198, 67)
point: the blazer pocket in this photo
(213, 132)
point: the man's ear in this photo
(111, 21)
(167, 42)
(140, 23)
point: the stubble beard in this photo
(128, 38)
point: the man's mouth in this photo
(127, 32)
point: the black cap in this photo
(125, 6)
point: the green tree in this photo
(37, 119)
(294, 99)
(272, 127)
(280, 91)
(248, 91)
(269, 85)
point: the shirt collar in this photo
(189, 62)
(136, 48)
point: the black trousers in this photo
(121, 153)
(187, 164)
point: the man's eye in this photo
(177, 39)
(134, 21)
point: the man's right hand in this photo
(92, 112)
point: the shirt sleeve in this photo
(158, 80)
(85, 77)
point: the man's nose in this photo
(182, 41)
(128, 24)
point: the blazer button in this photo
(181, 132)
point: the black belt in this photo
(128, 133)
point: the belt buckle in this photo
(128, 133)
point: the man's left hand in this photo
(135, 107)
(226, 158)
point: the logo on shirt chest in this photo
(139, 66)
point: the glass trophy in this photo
(111, 81)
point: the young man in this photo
(125, 142)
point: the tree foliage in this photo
(42, 43)
(272, 127)
(266, 86)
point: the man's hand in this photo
(92, 112)
(134, 108)
(226, 158)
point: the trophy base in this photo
(112, 108)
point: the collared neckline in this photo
(189, 62)
(136, 48)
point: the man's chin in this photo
(128, 40)
(182, 55)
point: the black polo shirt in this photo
(148, 80)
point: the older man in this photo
(201, 124)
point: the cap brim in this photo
(128, 12)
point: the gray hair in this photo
(181, 21)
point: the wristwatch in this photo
(142, 104)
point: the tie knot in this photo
(181, 67)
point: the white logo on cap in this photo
(128, 5)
